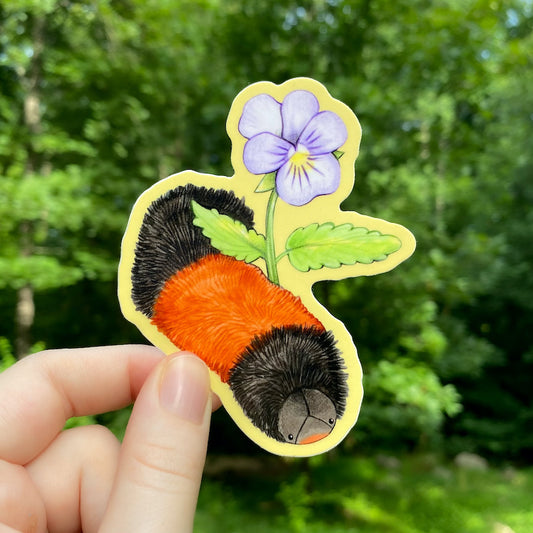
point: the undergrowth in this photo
(360, 495)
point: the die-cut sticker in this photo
(224, 266)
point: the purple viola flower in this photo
(296, 140)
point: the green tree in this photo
(92, 111)
(131, 91)
(420, 76)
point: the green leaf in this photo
(229, 236)
(338, 153)
(327, 245)
(267, 183)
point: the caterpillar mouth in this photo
(307, 416)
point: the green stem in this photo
(282, 255)
(270, 257)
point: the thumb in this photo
(163, 454)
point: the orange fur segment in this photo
(215, 307)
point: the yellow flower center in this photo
(299, 159)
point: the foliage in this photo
(297, 502)
(407, 395)
(327, 245)
(6, 354)
(101, 98)
(415, 494)
(228, 235)
(7, 357)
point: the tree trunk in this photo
(25, 308)
(25, 314)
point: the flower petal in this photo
(298, 185)
(326, 132)
(266, 153)
(260, 114)
(297, 109)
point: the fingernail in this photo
(184, 388)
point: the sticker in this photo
(224, 266)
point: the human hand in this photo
(83, 479)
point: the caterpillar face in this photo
(306, 416)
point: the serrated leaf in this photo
(267, 183)
(229, 236)
(326, 245)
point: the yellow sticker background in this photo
(321, 209)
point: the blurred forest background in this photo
(101, 98)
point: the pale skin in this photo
(83, 479)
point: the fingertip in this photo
(216, 403)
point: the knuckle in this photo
(97, 447)
(164, 469)
(20, 505)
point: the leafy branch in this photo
(309, 248)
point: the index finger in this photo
(39, 393)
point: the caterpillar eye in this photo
(331, 421)
(290, 436)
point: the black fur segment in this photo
(169, 241)
(282, 361)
